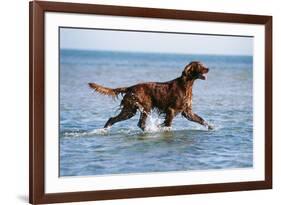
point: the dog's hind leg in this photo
(142, 120)
(125, 114)
(144, 112)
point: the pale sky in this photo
(91, 39)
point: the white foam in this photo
(101, 131)
(75, 134)
(153, 123)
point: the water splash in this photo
(153, 123)
(101, 131)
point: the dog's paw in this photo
(166, 129)
(210, 127)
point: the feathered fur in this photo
(107, 91)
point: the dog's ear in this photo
(187, 70)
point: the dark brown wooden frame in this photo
(37, 194)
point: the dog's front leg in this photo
(170, 114)
(188, 114)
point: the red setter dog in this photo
(169, 98)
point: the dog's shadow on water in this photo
(152, 135)
(169, 135)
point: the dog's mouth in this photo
(203, 75)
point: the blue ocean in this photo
(224, 100)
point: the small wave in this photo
(101, 131)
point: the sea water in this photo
(224, 100)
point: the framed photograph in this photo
(138, 102)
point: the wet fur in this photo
(168, 98)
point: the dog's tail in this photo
(108, 91)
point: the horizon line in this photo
(155, 52)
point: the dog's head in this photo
(195, 70)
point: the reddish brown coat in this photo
(169, 98)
